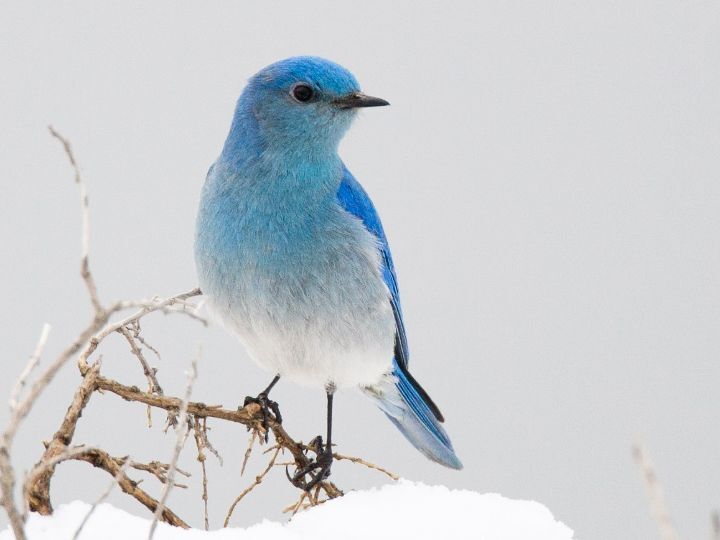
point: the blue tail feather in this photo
(408, 406)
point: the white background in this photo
(547, 176)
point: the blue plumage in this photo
(292, 255)
(421, 417)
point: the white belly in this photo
(319, 350)
(317, 315)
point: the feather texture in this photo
(292, 255)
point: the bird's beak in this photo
(358, 99)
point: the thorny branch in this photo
(187, 414)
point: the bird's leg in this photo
(323, 462)
(266, 405)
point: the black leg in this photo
(266, 405)
(329, 419)
(323, 462)
(270, 386)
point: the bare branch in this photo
(26, 404)
(656, 498)
(294, 507)
(367, 464)
(159, 471)
(102, 460)
(32, 363)
(331, 492)
(200, 434)
(153, 305)
(206, 442)
(181, 431)
(37, 482)
(251, 443)
(147, 370)
(258, 480)
(85, 209)
(7, 485)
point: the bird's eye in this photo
(303, 93)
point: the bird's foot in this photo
(266, 407)
(318, 469)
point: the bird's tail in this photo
(409, 407)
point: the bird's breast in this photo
(297, 284)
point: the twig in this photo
(258, 480)
(159, 471)
(367, 464)
(658, 508)
(206, 441)
(7, 485)
(102, 460)
(147, 370)
(201, 457)
(251, 443)
(154, 305)
(36, 486)
(32, 363)
(79, 452)
(85, 209)
(181, 431)
(296, 505)
(153, 385)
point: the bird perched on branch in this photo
(293, 259)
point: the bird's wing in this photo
(352, 197)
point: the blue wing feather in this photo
(406, 403)
(353, 198)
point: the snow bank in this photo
(398, 511)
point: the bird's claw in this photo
(318, 469)
(266, 407)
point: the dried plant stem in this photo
(258, 480)
(181, 431)
(367, 464)
(147, 370)
(85, 212)
(201, 457)
(7, 485)
(656, 498)
(32, 363)
(37, 484)
(158, 470)
(106, 329)
(102, 460)
(251, 443)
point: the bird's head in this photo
(303, 102)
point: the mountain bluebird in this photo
(293, 259)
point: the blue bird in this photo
(293, 259)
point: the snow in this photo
(397, 511)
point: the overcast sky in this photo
(548, 178)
